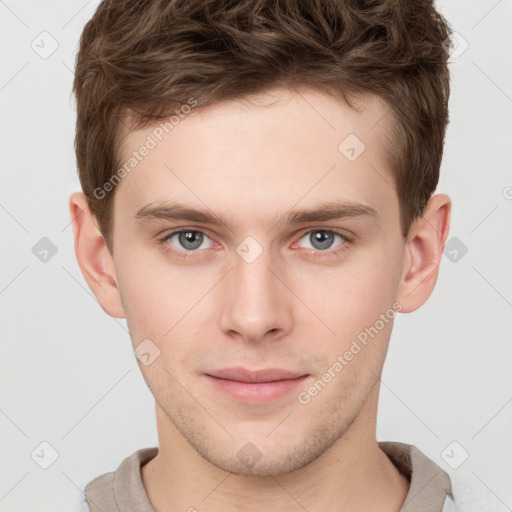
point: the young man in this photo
(258, 181)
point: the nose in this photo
(257, 303)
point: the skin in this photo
(297, 306)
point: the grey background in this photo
(67, 373)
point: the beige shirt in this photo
(122, 490)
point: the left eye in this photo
(322, 239)
(189, 239)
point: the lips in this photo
(255, 386)
(265, 375)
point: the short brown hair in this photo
(140, 60)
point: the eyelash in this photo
(316, 254)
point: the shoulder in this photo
(122, 488)
(99, 493)
(430, 486)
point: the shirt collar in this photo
(429, 484)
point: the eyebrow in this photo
(331, 210)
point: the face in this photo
(265, 317)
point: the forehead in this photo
(279, 147)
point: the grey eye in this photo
(321, 239)
(189, 239)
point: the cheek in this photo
(149, 297)
(165, 303)
(345, 299)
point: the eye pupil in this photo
(190, 237)
(325, 239)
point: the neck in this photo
(353, 474)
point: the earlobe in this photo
(424, 250)
(93, 256)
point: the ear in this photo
(93, 256)
(423, 253)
